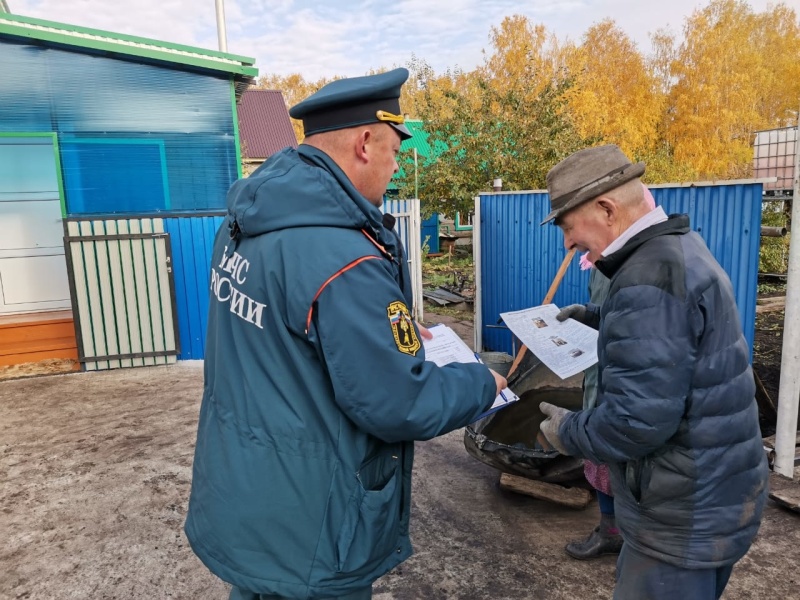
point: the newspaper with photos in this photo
(566, 347)
(446, 347)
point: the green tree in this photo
(505, 120)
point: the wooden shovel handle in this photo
(547, 299)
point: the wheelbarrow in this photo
(510, 440)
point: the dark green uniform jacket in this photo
(315, 386)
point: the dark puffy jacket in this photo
(676, 420)
(315, 385)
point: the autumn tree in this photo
(735, 72)
(504, 120)
(614, 97)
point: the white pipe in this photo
(477, 331)
(223, 42)
(789, 389)
(416, 179)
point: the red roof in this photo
(264, 124)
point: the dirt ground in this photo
(96, 468)
(767, 347)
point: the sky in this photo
(349, 38)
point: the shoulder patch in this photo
(405, 334)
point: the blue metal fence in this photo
(519, 258)
(192, 240)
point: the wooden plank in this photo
(785, 491)
(764, 305)
(572, 497)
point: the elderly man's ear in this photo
(609, 208)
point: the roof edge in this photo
(97, 39)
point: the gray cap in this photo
(355, 101)
(585, 175)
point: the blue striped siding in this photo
(192, 240)
(519, 258)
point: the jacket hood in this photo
(300, 187)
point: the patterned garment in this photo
(597, 476)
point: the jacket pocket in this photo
(371, 525)
(637, 477)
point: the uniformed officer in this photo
(316, 382)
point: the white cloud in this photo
(350, 37)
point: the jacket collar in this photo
(674, 225)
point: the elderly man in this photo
(316, 381)
(676, 419)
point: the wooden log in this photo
(572, 497)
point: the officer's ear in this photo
(362, 143)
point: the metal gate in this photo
(123, 292)
(408, 227)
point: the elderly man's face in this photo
(588, 227)
(384, 148)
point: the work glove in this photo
(550, 426)
(581, 314)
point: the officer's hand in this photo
(550, 426)
(573, 311)
(499, 381)
(424, 332)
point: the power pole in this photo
(223, 42)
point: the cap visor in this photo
(401, 130)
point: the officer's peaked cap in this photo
(355, 101)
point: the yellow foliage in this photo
(735, 73)
(614, 97)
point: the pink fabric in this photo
(597, 476)
(584, 261)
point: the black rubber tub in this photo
(507, 439)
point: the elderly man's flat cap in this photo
(587, 174)
(356, 101)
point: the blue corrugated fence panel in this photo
(192, 240)
(520, 258)
(430, 233)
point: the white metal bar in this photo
(415, 258)
(477, 304)
(131, 304)
(105, 310)
(789, 389)
(95, 321)
(81, 294)
(118, 285)
(162, 274)
(143, 309)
